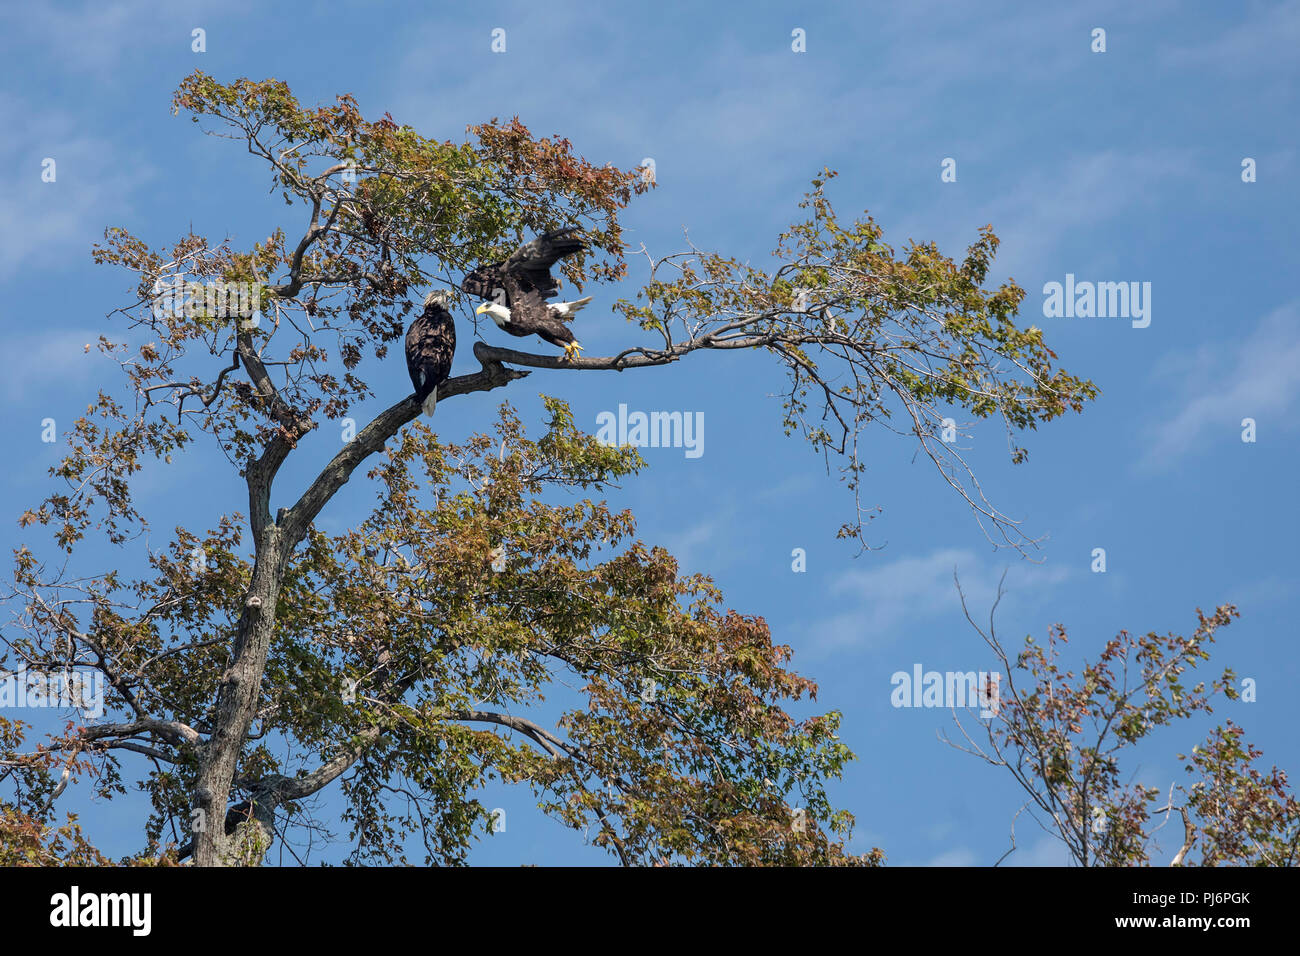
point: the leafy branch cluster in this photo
(1061, 735)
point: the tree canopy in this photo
(394, 661)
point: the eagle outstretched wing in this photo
(526, 273)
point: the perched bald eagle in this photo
(519, 287)
(430, 345)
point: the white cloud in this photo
(49, 358)
(692, 545)
(960, 856)
(1256, 377)
(1083, 192)
(1048, 851)
(98, 36)
(49, 221)
(1263, 43)
(729, 107)
(890, 597)
(1055, 202)
(90, 37)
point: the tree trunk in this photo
(237, 699)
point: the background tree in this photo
(394, 658)
(1063, 736)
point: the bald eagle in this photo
(520, 285)
(430, 345)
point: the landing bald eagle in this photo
(430, 345)
(520, 285)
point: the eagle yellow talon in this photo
(571, 351)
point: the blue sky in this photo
(1117, 166)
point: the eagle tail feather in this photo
(430, 402)
(567, 309)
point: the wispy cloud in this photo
(1087, 191)
(100, 37)
(958, 856)
(1264, 43)
(92, 36)
(1048, 851)
(885, 600)
(1217, 386)
(1045, 207)
(47, 221)
(693, 546)
(50, 358)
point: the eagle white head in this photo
(438, 297)
(500, 314)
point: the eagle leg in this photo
(572, 350)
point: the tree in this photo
(393, 659)
(1063, 737)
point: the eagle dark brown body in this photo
(430, 347)
(517, 290)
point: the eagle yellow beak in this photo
(481, 309)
